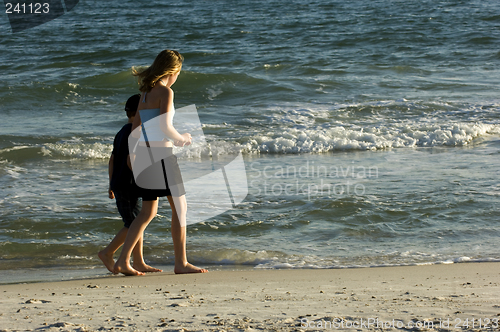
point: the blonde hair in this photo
(168, 62)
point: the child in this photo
(155, 114)
(122, 188)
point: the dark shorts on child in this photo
(128, 205)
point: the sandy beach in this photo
(436, 297)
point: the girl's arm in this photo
(167, 116)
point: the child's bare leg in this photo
(139, 263)
(179, 210)
(106, 255)
(135, 232)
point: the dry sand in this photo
(395, 298)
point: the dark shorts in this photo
(165, 174)
(128, 205)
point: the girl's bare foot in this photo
(107, 260)
(143, 267)
(188, 268)
(127, 270)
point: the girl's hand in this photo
(187, 139)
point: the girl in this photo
(161, 175)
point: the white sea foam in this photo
(335, 138)
(305, 140)
(327, 264)
(75, 257)
(311, 128)
(78, 150)
(344, 138)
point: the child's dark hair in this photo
(132, 104)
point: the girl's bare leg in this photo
(179, 210)
(135, 232)
(139, 263)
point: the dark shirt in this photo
(122, 177)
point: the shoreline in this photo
(60, 274)
(281, 300)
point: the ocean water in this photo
(370, 131)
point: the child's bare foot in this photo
(143, 267)
(127, 270)
(107, 260)
(188, 268)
